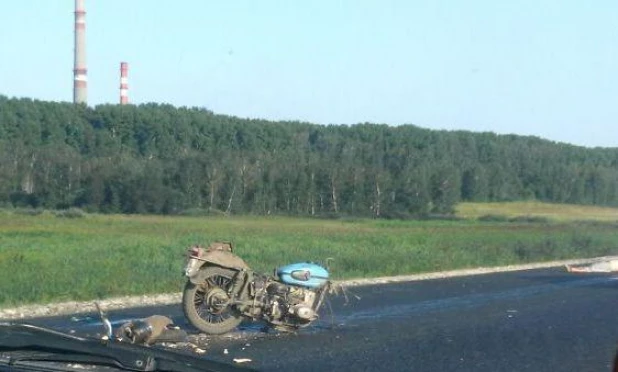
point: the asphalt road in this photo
(536, 320)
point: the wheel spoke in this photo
(207, 304)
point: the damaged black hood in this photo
(21, 343)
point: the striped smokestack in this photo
(80, 72)
(124, 83)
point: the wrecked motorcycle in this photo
(222, 290)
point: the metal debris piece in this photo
(147, 331)
(600, 266)
(106, 323)
(242, 360)
(225, 351)
(78, 319)
(337, 288)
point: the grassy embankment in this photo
(45, 258)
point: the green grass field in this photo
(45, 258)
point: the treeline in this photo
(156, 158)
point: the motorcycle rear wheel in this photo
(204, 303)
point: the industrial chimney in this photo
(124, 83)
(80, 72)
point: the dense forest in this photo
(162, 159)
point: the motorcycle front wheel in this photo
(206, 305)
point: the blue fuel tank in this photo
(303, 274)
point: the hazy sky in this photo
(531, 67)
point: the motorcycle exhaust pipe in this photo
(150, 330)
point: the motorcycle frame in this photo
(244, 296)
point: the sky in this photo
(547, 68)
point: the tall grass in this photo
(44, 258)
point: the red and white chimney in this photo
(80, 72)
(124, 83)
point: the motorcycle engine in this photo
(290, 304)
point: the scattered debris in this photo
(184, 345)
(80, 366)
(225, 351)
(604, 266)
(146, 331)
(199, 350)
(80, 319)
(242, 360)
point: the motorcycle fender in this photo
(220, 258)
